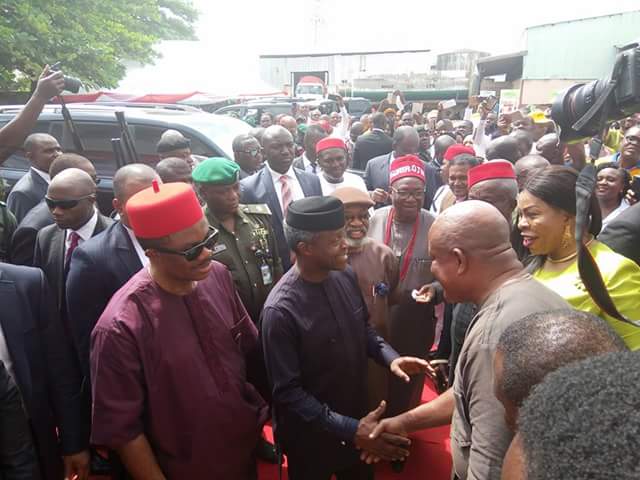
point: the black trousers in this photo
(301, 470)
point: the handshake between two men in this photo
(378, 443)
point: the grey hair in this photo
(294, 236)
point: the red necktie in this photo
(75, 238)
(286, 194)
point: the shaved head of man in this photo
(41, 149)
(550, 148)
(128, 181)
(505, 148)
(528, 165)
(174, 169)
(290, 124)
(502, 193)
(72, 160)
(71, 198)
(471, 251)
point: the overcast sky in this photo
(232, 34)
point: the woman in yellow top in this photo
(547, 208)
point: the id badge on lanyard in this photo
(267, 277)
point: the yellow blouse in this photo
(622, 278)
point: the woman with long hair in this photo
(612, 186)
(547, 208)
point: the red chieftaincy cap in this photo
(406, 166)
(161, 210)
(489, 171)
(329, 142)
(458, 149)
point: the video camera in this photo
(71, 84)
(578, 110)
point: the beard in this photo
(355, 242)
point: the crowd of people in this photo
(316, 281)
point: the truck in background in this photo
(310, 85)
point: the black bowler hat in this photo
(316, 214)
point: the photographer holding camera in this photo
(13, 134)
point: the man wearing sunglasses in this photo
(247, 153)
(168, 356)
(71, 199)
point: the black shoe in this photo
(266, 451)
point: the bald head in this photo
(528, 165)
(72, 160)
(174, 169)
(505, 148)
(470, 246)
(128, 181)
(524, 138)
(41, 149)
(550, 148)
(75, 187)
(502, 193)
(441, 144)
(356, 130)
(378, 120)
(290, 124)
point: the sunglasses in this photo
(65, 204)
(194, 252)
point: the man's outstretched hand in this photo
(384, 446)
(49, 84)
(404, 367)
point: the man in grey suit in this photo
(622, 234)
(278, 183)
(406, 141)
(41, 149)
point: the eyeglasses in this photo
(253, 152)
(632, 139)
(405, 194)
(65, 204)
(191, 254)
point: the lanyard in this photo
(408, 253)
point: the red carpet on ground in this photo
(430, 457)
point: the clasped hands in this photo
(387, 439)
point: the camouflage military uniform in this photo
(250, 253)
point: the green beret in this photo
(217, 171)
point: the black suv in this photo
(211, 135)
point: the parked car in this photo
(210, 135)
(251, 112)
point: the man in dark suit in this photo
(23, 241)
(41, 149)
(101, 265)
(278, 183)
(308, 161)
(41, 362)
(406, 141)
(71, 199)
(372, 144)
(247, 153)
(622, 234)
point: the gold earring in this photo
(566, 237)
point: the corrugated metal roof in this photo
(578, 49)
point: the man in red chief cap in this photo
(403, 226)
(332, 158)
(168, 370)
(458, 159)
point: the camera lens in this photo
(72, 84)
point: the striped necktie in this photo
(286, 194)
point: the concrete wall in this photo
(542, 92)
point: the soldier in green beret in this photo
(246, 242)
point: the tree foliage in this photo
(92, 38)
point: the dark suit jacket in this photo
(44, 367)
(99, 267)
(26, 194)
(369, 146)
(376, 175)
(23, 241)
(49, 256)
(622, 235)
(17, 452)
(259, 188)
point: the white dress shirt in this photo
(84, 232)
(144, 260)
(292, 180)
(45, 176)
(307, 164)
(348, 180)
